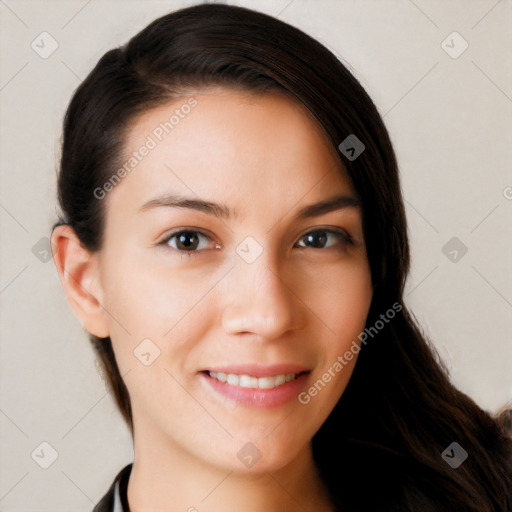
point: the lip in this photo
(253, 397)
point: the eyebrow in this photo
(222, 211)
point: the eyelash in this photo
(346, 239)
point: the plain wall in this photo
(449, 119)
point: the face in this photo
(233, 275)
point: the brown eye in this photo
(186, 241)
(324, 239)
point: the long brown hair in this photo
(381, 449)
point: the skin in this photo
(265, 157)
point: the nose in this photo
(260, 300)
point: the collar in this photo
(115, 500)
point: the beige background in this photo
(449, 118)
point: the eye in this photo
(325, 239)
(189, 241)
(186, 241)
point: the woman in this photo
(233, 238)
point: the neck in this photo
(166, 478)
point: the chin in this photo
(264, 455)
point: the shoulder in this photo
(116, 493)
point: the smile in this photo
(249, 381)
(256, 385)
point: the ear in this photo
(77, 268)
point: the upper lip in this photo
(259, 370)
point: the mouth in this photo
(253, 382)
(255, 385)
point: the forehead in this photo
(233, 145)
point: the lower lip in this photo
(253, 397)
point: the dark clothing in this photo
(116, 498)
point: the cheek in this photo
(344, 310)
(164, 305)
(341, 301)
(152, 299)
(348, 312)
(342, 305)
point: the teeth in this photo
(247, 381)
(233, 379)
(280, 379)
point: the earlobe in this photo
(77, 269)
